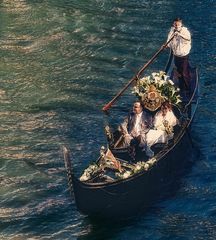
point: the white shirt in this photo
(137, 126)
(180, 46)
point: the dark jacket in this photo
(128, 124)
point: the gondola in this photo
(120, 198)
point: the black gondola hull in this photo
(135, 194)
(127, 197)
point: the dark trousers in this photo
(183, 69)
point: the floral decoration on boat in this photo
(136, 168)
(122, 170)
(153, 90)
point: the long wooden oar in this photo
(108, 105)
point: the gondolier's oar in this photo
(108, 105)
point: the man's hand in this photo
(176, 33)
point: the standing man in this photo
(181, 46)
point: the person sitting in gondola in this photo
(163, 122)
(135, 126)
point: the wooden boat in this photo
(121, 198)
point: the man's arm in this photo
(124, 126)
(185, 34)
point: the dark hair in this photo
(138, 101)
(167, 104)
(178, 19)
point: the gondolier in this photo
(181, 46)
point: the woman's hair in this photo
(167, 105)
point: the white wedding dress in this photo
(159, 134)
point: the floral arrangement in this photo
(163, 85)
(89, 172)
(138, 167)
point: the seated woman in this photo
(163, 122)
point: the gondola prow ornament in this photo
(108, 160)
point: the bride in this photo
(163, 123)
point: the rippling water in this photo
(61, 60)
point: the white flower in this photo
(135, 90)
(165, 77)
(157, 79)
(146, 166)
(126, 174)
(152, 161)
(137, 167)
(173, 92)
(178, 101)
(171, 82)
(162, 73)
(154, 74)
(161, 83)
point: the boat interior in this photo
(128, 157)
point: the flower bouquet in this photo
(155, 89)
